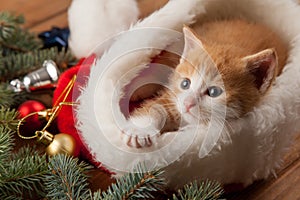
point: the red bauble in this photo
(31, 123)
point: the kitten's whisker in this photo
(229, 126)
(173, 110)
(225, 126)
(172, 105)
(164, 98)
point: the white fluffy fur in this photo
(93, 21)
(258, 141)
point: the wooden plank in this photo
(288, 180)
(293, 154)
(146, 7)
(35, 11)
(99, 179)
(286, 186)
(60, 21)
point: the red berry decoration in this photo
(31, 123)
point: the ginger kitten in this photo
(225, 70)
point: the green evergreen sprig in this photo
(6, 147)
(21, 41)
(206, 190)
(7, 125)
(9, 98)
(136, 185)
(16, 65)
(13, 37)
(20, 51)
(8, 24)
(6, 95)
(24, 176)
(66, 179)
(8, 118)
(19, 172)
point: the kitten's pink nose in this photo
(189, 102)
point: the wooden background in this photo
(41, 15)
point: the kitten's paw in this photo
(137, 138)
(140, 133)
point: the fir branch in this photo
(7, 95)
(96, 195)
(8, 117)
(7, 127)
(63, 58)
(24, 151)
(8, 22)
(11, 197)
(21, 172)
(206, 190)
(16, 65)
(13, 38)
(66, 180)
(24, 175)
(21, 41)
(9, 98)
(6, 146)
(136, 185)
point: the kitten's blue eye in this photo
(185, 84)
(214, 91)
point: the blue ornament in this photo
(56, 37)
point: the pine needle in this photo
(8, 22)
(20, 51)
(23, 175)
(66, 180)
(16, 65)
(13, 38)
(22, 171)
(7, 127)
(24, 151)
(137, 185)
(6, 95)
(206, 190)
(8, 117)
(6, 146)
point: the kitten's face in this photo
(199, 89)
(216, 82)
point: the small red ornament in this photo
(32, 123)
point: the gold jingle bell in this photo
(61, 143)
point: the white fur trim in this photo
(93, 21)
(258, 141)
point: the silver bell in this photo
(40, 78)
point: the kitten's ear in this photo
(263, 67)
(191, 41)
